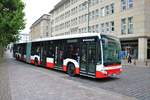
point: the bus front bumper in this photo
(107, 72)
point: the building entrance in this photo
(131, 47)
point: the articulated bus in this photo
(90, 54)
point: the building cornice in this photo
(58, 5)
(40, 19)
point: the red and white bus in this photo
(90, 54)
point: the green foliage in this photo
(11, 20)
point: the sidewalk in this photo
(5, 93)
(136, 63)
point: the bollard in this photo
(134, 62)
(146, 63)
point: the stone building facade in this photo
(41, 28)
(127, 19)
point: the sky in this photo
(34, 9)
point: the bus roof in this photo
(67, 36)
(70, 36)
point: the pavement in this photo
(136, 63)
(21, 81)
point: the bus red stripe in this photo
(50, 65)
(64, 68)
(40, 62)
(32, 61)
(114, 71)
(100, 75)
(77, 71)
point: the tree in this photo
(11, 20)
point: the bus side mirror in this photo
(104, 42)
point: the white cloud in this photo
(35, 9)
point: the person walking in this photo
(129, 59)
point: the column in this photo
(142, 49)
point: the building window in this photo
(97, 13)
(97, 28)
(67, 4)
(90, 16)
(90, 29)
(79, 19)
(96, 1)
(84, 18)
(93, 2)
(103, 12)
(79, 30)
(101, 0)
(86, 30)
(107, 10)
(130, 3)
(112, 26)
(80, 7)
(93, 29)
(123, 26)
(83, 6)
(46, 27)
(130, 25)
(112, 8)
(107, 27)
(46, 34)
(102, 28)
(123, 5)
(93, 15)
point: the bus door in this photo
(28, 52)
(59, 52)
(43, 53)
(88, 59)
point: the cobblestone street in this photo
(21, 81)
(134, 81)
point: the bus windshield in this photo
(111, 49)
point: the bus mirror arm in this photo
(104, 41)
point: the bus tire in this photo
(36, 62)
(71, 69)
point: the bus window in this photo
(59, 55)
(83, 54)
(38, 50)
(77, 54)
(111, 51)
(92, 53)
(70, 51)
(73, 52)
(50, 52)
(19, 49)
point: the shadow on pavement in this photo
(99, 80)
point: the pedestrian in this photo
(129, 58)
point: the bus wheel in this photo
(71, 70)
(35, 61)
